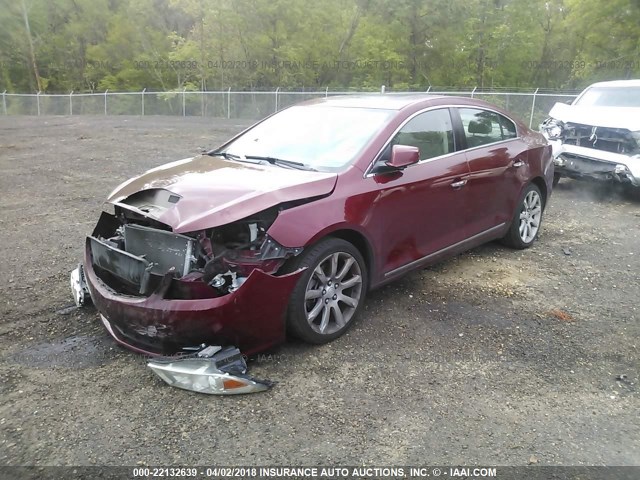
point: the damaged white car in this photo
(598, 136)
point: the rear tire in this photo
(527, 219)
(329, 293)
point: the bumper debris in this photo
(81, 295)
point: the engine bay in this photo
(133, 253)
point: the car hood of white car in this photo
(609, 117)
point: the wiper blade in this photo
(259, 158)
(225, 155)
(281, 162)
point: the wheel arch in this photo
(359, 241)
(542, 186)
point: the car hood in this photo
(609, 117)
(210, 191)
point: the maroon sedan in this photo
(287, 226)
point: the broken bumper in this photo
(581, 162)
(252, 317)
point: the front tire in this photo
(526, 222)
(329, 294)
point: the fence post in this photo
(473, 91)
(184, 105)
(382, 88)
(105, 101)
(533, 106)
(229, 103)
(4, 101)
(277, 90)
(143, 90)
(326, 92)
(70, 104)
(38, 101)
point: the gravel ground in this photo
(495, 357)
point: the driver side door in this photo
(420, 210)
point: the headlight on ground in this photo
(214, 371)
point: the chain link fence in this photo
(531, 107)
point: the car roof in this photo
(400, 101)
(387, 101)
(617, 83)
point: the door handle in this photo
(459, 183)
(518, 163)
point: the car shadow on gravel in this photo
(599, 191)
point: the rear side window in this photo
(482, 127)
(431, 132)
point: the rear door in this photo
(494, 154)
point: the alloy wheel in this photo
(333, 293)
(530, 216)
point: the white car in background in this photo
(598, 136)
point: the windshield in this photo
(610, 97)
(320, 137)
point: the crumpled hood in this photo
(214, 191)
(610, 117)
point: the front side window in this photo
(482, 127)
(431, 132)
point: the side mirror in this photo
(402, 156)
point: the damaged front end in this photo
(135, 255)
(602, 153)
(160, 292)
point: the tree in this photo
(88, 45)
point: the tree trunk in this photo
(32, 53)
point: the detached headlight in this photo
(552, 128)
(214, 370)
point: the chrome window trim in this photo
(368, 173)
(490, 144)
(497, 113)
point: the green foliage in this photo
(128, 45)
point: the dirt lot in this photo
(495, 357)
